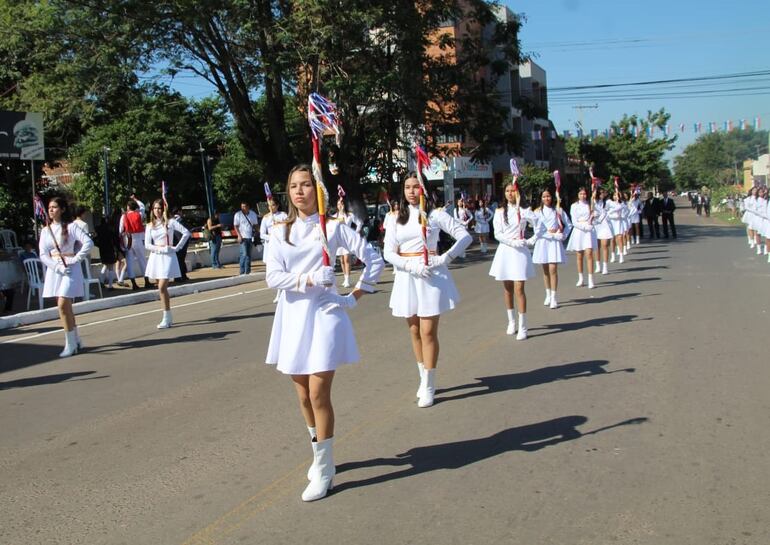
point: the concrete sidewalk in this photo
(202, 279)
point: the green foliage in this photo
(155, 140)
(714, 159)
(532, 181)
(236, 177)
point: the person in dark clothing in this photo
(667, 210)
(182, 253)
(651, 213)
(108, 243)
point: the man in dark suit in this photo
(667, 210)
(651, 213)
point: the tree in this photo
(716, 159)
(155, 140)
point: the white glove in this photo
(439, 260)
(61, 269)
(517, 243)
(334, 300)
(416, 268)
(531, 240)
(558, 236)
(322, 277)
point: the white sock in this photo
(312, 432)
(580, 278)
(522, 320)
(510, 314)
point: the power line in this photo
(739, 75)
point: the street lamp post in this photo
(106, 153)
(206, 181)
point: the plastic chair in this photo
(88, 280)
(8, 239)
(34, 269)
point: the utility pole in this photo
(106, 152)
(206, 181)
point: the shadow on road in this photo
(222, 319)
(519, 381)
(605, 299)
(603, 282)
(145, 343)
(633, 259)
(48, 379)
(594, 322)
(463, 453)
(640, 269)
(21, 355)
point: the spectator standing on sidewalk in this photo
(244, 222)
(214, 228)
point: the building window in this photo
(449, 134)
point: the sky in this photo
(589, 42)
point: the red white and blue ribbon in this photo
(423, 161)
(516, 173)
(268, 193)
(340, 191)
(557, 183)
(40, 212)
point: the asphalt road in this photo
(637, 413)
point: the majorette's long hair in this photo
(292, 211)
(66, 218)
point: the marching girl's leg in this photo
(521, 303)
(165, 302)
(413, 323)
(590, 259)
(345, 261)
(553, 274)
(430, 350)
(605, 251)
(579, 259)
(547, 282)
(508, 296)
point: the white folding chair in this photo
(9, 241)
(34, 269)
(88, 280)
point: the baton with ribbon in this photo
(517, 194)
(557, 181)
(322, 117)
(422, 161)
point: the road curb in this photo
(84, 307)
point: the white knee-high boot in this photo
(77, 338)
(70, 344)
(166, 322)
(421, 370)
(522, 334)
(312, 469)
(426, 400)
(322, 480)
(579, 280)
(590, 281)
(597, 267)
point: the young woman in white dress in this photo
(63, 246)
(552, 227)
(615, 215)
(583, 240)
(348, 219)
(604, 232)
(421, 293)
(625, 224)
(758, 222)
(272, 217)
(162, 265)
(748, 213)
(312, 334)
(464, 216)
(512, 264)
(635, 217)
(482, 216)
